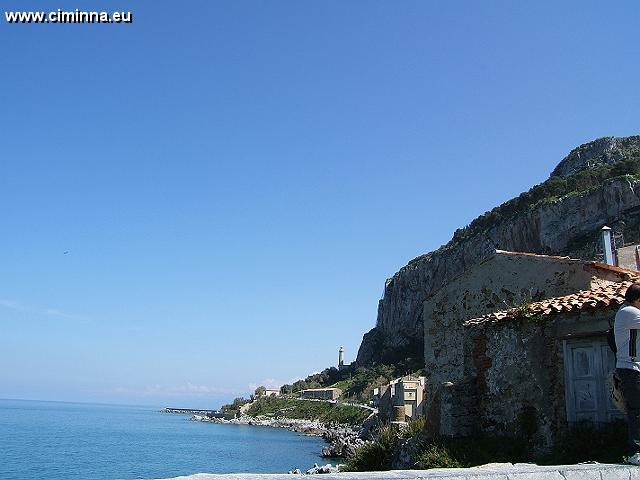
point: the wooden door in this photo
(587, 368)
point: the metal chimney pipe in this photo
(607, 246)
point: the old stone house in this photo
(321, 393)
(517, 345)
(541, 367)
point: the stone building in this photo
(617, 252)
(321, 393)
(401, 400)
(517, 345)
(628, 257)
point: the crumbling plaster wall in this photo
(520, 390)
(514, 377)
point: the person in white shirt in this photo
(626, 326)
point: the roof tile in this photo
(601, 296)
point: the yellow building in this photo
(407, 392)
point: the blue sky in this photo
(233, 181)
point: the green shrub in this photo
(436, 455)
(414, 428)
(377, 454)
(447, 452)
(235, 406)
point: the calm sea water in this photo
(56, 441)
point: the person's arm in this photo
(633, 324)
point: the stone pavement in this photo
(519, 471)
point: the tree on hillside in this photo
(260, 391)
(299, 385)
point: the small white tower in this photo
(341, 358)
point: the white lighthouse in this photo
(340, 358)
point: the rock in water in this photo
(328, 468)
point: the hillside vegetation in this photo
(324, 412)
(356, 383)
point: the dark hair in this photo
(633, 293)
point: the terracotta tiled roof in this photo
(602, 296)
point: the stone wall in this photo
(627, 257)
(513, 382)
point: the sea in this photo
(57, 440)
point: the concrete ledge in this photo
(520, 471)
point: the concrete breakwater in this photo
(343, 440)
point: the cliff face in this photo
(563, 226)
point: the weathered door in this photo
(587, 368)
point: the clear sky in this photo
(212, 197)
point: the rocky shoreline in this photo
(343, 440)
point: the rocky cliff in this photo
(567, 224)
(604, 151)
